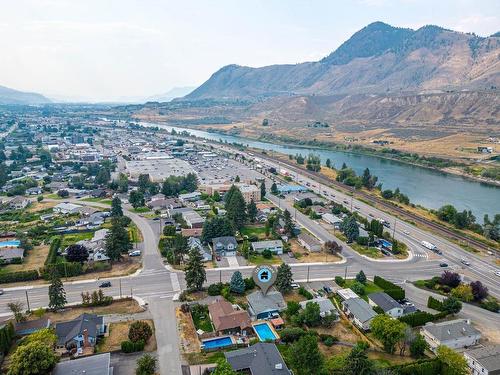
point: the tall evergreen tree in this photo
(57, 294)
(235, 207)
(305, 356)
(289, 226)
(216, 227)
(117, 240)
(274, 189)
(262, 190)
(102, 176)
(136, 198)
(116, 207)
(252, 211)
(284, 278)
(350, 228)
(237, 284)
(195, 271)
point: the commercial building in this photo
(250, 192)
(158, 169)
(309, 242)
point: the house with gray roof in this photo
(326, 306)
(309, 242)
(388, 304)
(71, 334)
(31, 326)
(262, 306)
(99, 364)
(195, 243)
(484, 361)
(259, 359)
(11, 254)
(275, 246)
(359, 312)
(455, 334)
(224, 245)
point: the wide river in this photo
(423, 186)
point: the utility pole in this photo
(394, 229)
(307, 273)
(27, 300)
(352, 196)
(345, 273)
(120, 280)
(220, 276)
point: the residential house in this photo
(275, 246)
(319, 210)
(190, 197)
(346, 294)
(195, 243)
(99, 364)
(388, 304)
(193, 219)
(66, 208)
(260, 359)
(229, 320)
(455, 334)
(37, 190)
(359, 312)
(332, 220)
(225, 246)
(72, 334)
(309, 242)
(164, 203)
(262, 306)
(326, 306)
(19, 203)
(31, 326)
(98, 193)
(484, 361)
(11, 254)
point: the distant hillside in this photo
(377, 59)
(176, 92)
(11, 96)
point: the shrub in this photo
(361, 277)
(131, 347)
(139, 330)
(391, 289)
(54, 246)
(267, 254)
(12, 277)
(215, 289)
(419, 367)
(328, 340)
(463, 292)
(358, 288)
(305, 293)
(146, 365)
(339, 281)
(452, 305)
(451, 279)
(420, 318)
(249, 283)
(434, 303)
(292, 334)
(491, 304)
(292, 308)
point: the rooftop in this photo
(260, 359)
(451, 330)
(92, 365)
(360, 309)
(488, 357)
(384, 301)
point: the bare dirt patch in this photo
(304, 256)
(187, 332)
(34, 260)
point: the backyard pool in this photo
(12, 243)
(219, 342)
(265, 332)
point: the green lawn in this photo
(201, 318)
(70, 239)
(98, 200)
(370, 287)
(371, 252)
(258, 259)
(258, 231)
(139, 210)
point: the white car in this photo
(1, 292)
(135, 253)
(294, 286)
(496, 273)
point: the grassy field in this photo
(201, 319)
(253, 230)
(70, 239)
(140, 210)
(258, 259)
(118, 332)
(98, 200)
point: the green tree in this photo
(284, 278)
(350, 228)
(4, 174)
(252, 211)
(195, 271)
(305, 357)
(311, 314)
(289, 226)
(452, 305)
(237, 284)
(361, 277)
(447, 213)
(169, 230)
(274, 189)
(328, 163)
(237, 179)
(463, 292)
(418, 346)
(262, 190)
(117, 240)
(102, 176)
(453, 362)
(389, 331)
(357, 362)
(223, 368)
(57, 294)
(146, 365)
(116, 207)
(235, 207)
(143, 182)
(136, 198)
(122, 183)
(34, 358)
(216, 227)
(17, 308)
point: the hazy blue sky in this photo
(107, 50)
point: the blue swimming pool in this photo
(264, 332)
(12, 243)
(219, 342)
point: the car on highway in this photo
(105, 284)
(465, 261)
(356, 207)
(1, 292)
(406, 232)
(371, 215)
(497, 273)
(135, 253)
(443, 264)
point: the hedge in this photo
(64, 269)
(12, 277)
(419, 367)
(291, 334)
(7, 334)
(131, 347)
(339, 280)
(391, 289)
(54, 247)
(434, 303)
(420, 318)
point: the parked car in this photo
(327, 289)
(218, 258)
(135, 253)
(295, 286)
(443, 264)
(497, 273)
(105, 284)
(291, 254)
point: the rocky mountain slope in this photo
(377, 59)
(11, 96)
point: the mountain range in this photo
(11, 96)
(378, 59)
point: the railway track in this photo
(381, 202)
